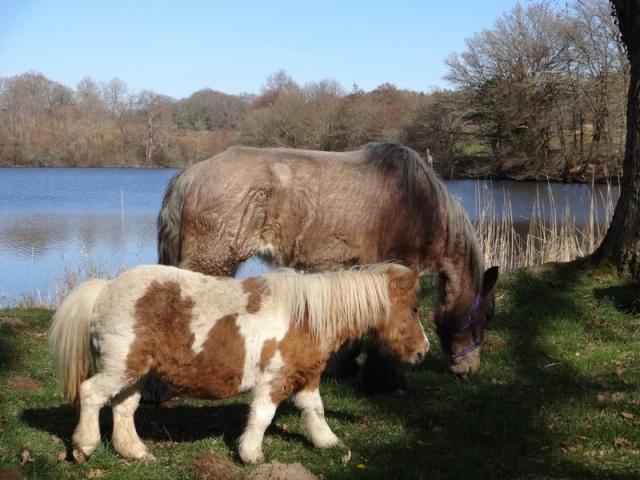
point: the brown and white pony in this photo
(216, 337)
(316, 211)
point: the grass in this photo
(558, 396)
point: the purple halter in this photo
(470, 323)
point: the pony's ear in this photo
(402, 281)
(490, 279)
(416, 274)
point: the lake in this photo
(57, 223)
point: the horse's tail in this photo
(170, 219)
(70, 337)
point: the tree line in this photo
(540, 95)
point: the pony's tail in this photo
(170, 218)
(70, 337)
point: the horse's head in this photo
(402, 334)
(460, 320)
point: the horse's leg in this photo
(94, 393)
(262, 411)
(125, 437)
(310, 403)
(343, 364)
(381, 373)
(155, 391)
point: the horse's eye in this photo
(415, 310)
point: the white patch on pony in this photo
(207, 313)
(111, 327)
(313, 415)
(260, 416)
(256, 330)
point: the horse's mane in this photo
(460, 231)
(335, 301)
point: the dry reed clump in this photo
(85, 269)
(544, 240)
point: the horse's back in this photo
(240, 167)
(302, 208)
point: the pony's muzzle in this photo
(421, 354)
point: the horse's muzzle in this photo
(465, 366)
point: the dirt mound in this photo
(281, 471)
(209, 466)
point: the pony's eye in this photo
(415, 310)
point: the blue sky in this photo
(177, 48)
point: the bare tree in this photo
(88, 93)
(507, 70)
(598, 69)
(438, 124)
(210, 110)
(116, 96)
(277, 84)
(323, 100)
(154, 109)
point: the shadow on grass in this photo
(505, 423)
(626, 298)
(175, 424)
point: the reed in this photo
(500, 242)
(548, 238)
(87, 267)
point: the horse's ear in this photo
(490, 279)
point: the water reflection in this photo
(35, 235)
(38, 251)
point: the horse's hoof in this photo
(400, 394)
(148, 457)
(78, 456)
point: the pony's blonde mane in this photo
(333, 302)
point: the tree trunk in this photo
(621, 245)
